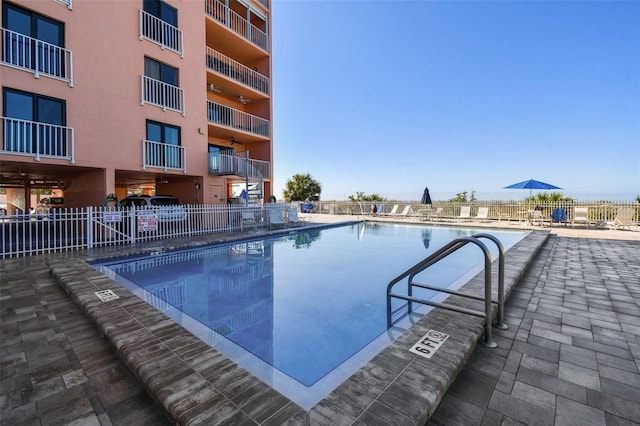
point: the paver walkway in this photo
(572, 353)
(570, 356)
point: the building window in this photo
(163, 145)
(161, 10)
(33, 41)
(161, 72)
(34, 123)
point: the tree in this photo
(461, 197)
(301, 186)
(360, 196)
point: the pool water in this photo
(296, 309)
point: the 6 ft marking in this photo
(429, 343)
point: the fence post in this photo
(90, 227)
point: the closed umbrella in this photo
(426, 198)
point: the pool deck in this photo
(571, 354)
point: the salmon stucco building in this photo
(135, 97)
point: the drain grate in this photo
(106, 295)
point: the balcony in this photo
(35, 139)
(236, 119)
(161, 94)
(68, 3)
(161, 33)
(36, 56)
(228, 162)
(236, 23)
(163, 156)
(236, 71)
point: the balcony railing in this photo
(35, 139)
(36, 56)
(226, 66)
(236, 23)
(230, 117)
(163, 155)
(161, 94)
(238, 164)
(160, 32)
(67, 2)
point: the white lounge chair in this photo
(293, 218)
(624, 219)
(465, 213)
(393, 211)
(580, 215)
(276, 217)
(536, 217)
(404, 212)
(483, 214)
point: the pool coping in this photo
(198, 385)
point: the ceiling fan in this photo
(243, 100)
(234, 141)
(214, 88)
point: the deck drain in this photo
(106, 295)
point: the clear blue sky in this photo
(388, 97)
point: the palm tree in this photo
(300, 187)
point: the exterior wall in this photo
(104, 105)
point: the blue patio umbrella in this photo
(531, 184)
(243, 194)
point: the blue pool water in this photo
(297, 310)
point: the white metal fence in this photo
(160, 32)
(84, 228)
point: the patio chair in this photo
(580, 215)
(624, 219)
(536, 217)
(465, 213)
(248, 217)
(483, 214)
(276, 217)
(293, 218)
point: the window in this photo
(161, 10)
(28, 51)
(35, 123)
(163, 151)
(159, 71)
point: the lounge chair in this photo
(276, 217)
(483, 214)
(465, 213)
(434, 215)
(624, 219)
(404, 212)
(393, 211)
(293, 218)
(580, 215)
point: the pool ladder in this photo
(440, 254)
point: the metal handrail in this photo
(440, 254)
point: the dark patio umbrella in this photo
(426, 198)
(531, 184)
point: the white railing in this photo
(226, 66)
(160, 32)
(224, 164)
(35, 139)
(58, 230)
(163, 155)
(68, 3)
(36, 56)
(236, 23)
(161, 94)
(230, 117)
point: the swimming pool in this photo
(302, 311)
